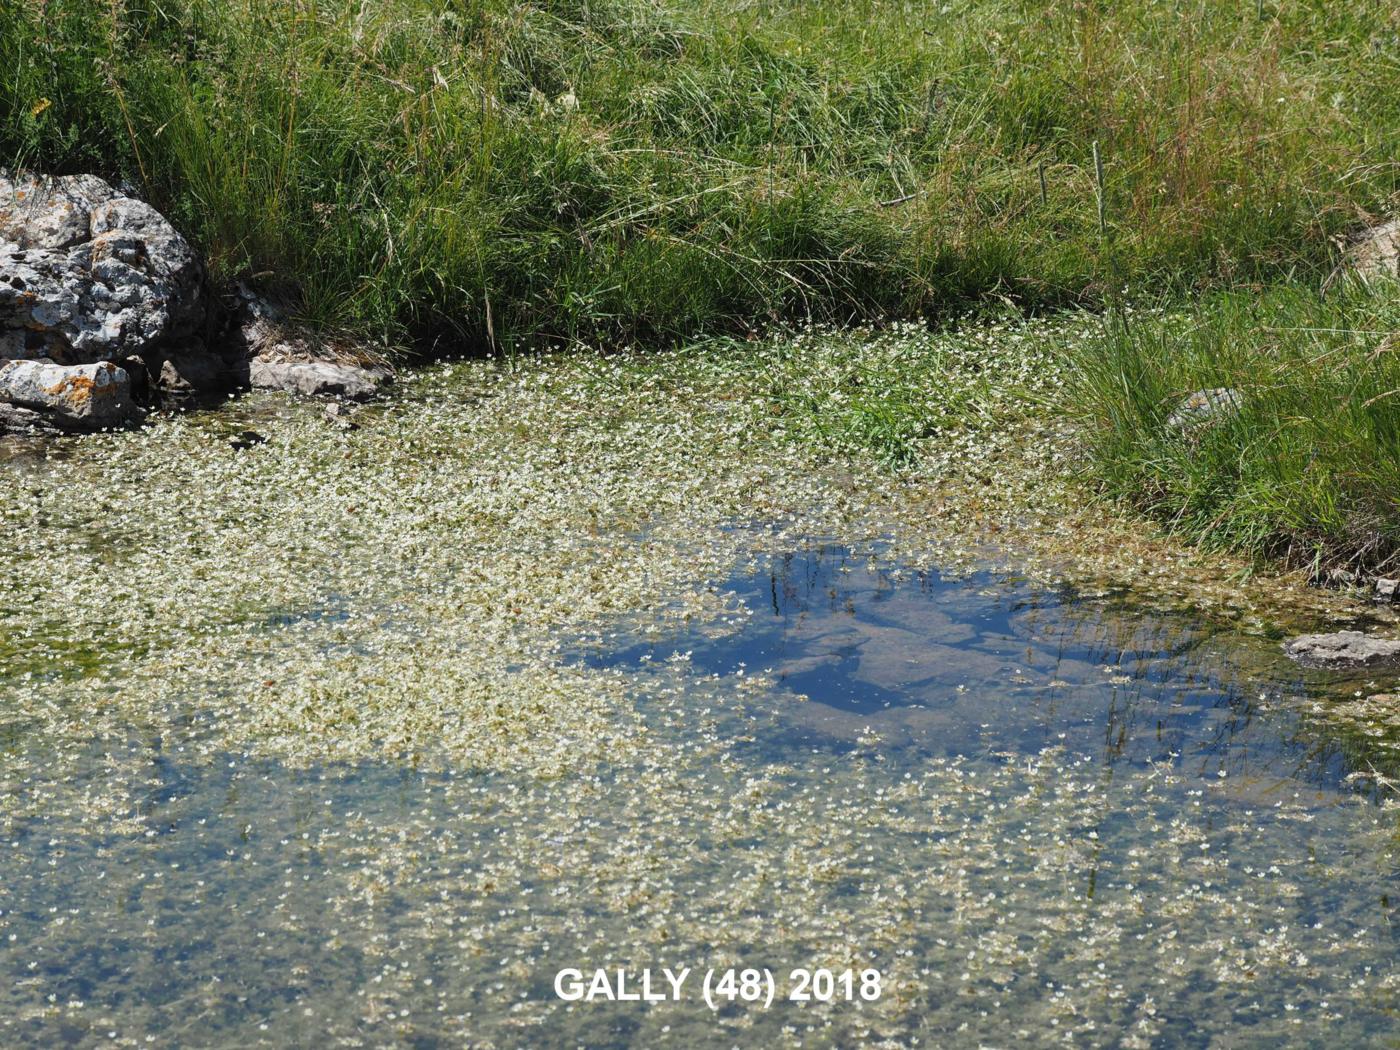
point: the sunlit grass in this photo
(1306, 469)
(491, 171)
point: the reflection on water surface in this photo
(1043, 819)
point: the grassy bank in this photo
(1300, 465)
(1305, 466)
(490, 171)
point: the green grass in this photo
(458, 175)
(1306, 470)
(465, 173)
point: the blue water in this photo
(1089, 793)
(961, 664)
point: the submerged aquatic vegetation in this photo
(1029, 896)
(326, 688)
(406, 586)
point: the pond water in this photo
(1042, 818)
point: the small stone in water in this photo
(1342, 649)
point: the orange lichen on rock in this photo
(79, 390)
(74, 389)
(89, 395)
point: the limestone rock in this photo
(14, 418)
(340, 415)
(81, 397)
(1343, 649)
(1387, 589)
(1376, 252)
(1204, 406)
(263, 329)
(89, 274)
(190, 373)
(316, 377)
(277, 354)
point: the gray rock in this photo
(1342, 650)
(1387, 589)
(1204, 406)
(192, 372)
(316, 377)
(277, 354)
(341, 415)
(82, 397)
(13, 418)
(89, 274)
(1376, 253)
(262, 328)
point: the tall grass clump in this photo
(1300, 462)
(481, 172)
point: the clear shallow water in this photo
(1043, 819)
(965, 664)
